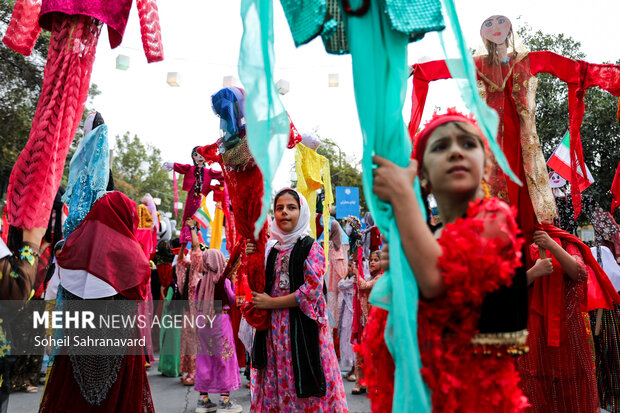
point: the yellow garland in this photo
(146, 221)
(313, 173)
(216, 229)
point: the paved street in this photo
(169, 395)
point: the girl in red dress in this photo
(465, 272)
(557, 373)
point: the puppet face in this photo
(496, 29)
(556, 180)
(286, 213)
(198, 159)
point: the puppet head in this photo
(556, 180)
(497, 35)
(198, 159)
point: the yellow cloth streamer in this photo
(217, 227)
(313, 173)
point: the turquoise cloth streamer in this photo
(380, 73)
(267, 121)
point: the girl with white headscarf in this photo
(297, 347)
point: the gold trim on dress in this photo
(514, 341)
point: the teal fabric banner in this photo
(266, 119)
(380, 74)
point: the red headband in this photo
(452, 115)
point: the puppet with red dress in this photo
(197, 182)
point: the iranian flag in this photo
(560, 162)
(202, 216)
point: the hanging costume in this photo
(75, 27)
(89, 172)
(313, 173)
(511, 90)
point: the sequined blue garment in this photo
(310, 18)
(88, 176)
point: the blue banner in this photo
(347, 201)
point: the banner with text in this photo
(347, 201)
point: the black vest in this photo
(304, 332)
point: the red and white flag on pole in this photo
(560, 162)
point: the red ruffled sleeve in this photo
(480, 253)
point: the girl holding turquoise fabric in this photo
(457, 268)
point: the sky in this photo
(201, 42)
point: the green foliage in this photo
(137, 170)
(344, 172)
(600, 134)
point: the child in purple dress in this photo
(217, 370)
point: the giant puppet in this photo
(197, 182)
(507, 81)
(244, 183)
(75, 26)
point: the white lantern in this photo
(283, 86)
(179, 205)
(168, 214)
(157, 201)
(332, 80)
(122, 62)
(174, 79)
(229, 81)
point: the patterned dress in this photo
(345, 323)
(560, 378)
(273, 388)
(189, 336)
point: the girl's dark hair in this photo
(164, 253)
(110, 186)
(54, 234)
(294, 194)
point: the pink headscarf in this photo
(213, 264)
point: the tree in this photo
(600, 134)
(344, 172)
(136, 168)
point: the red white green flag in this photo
(202, 217)
(560, 162)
